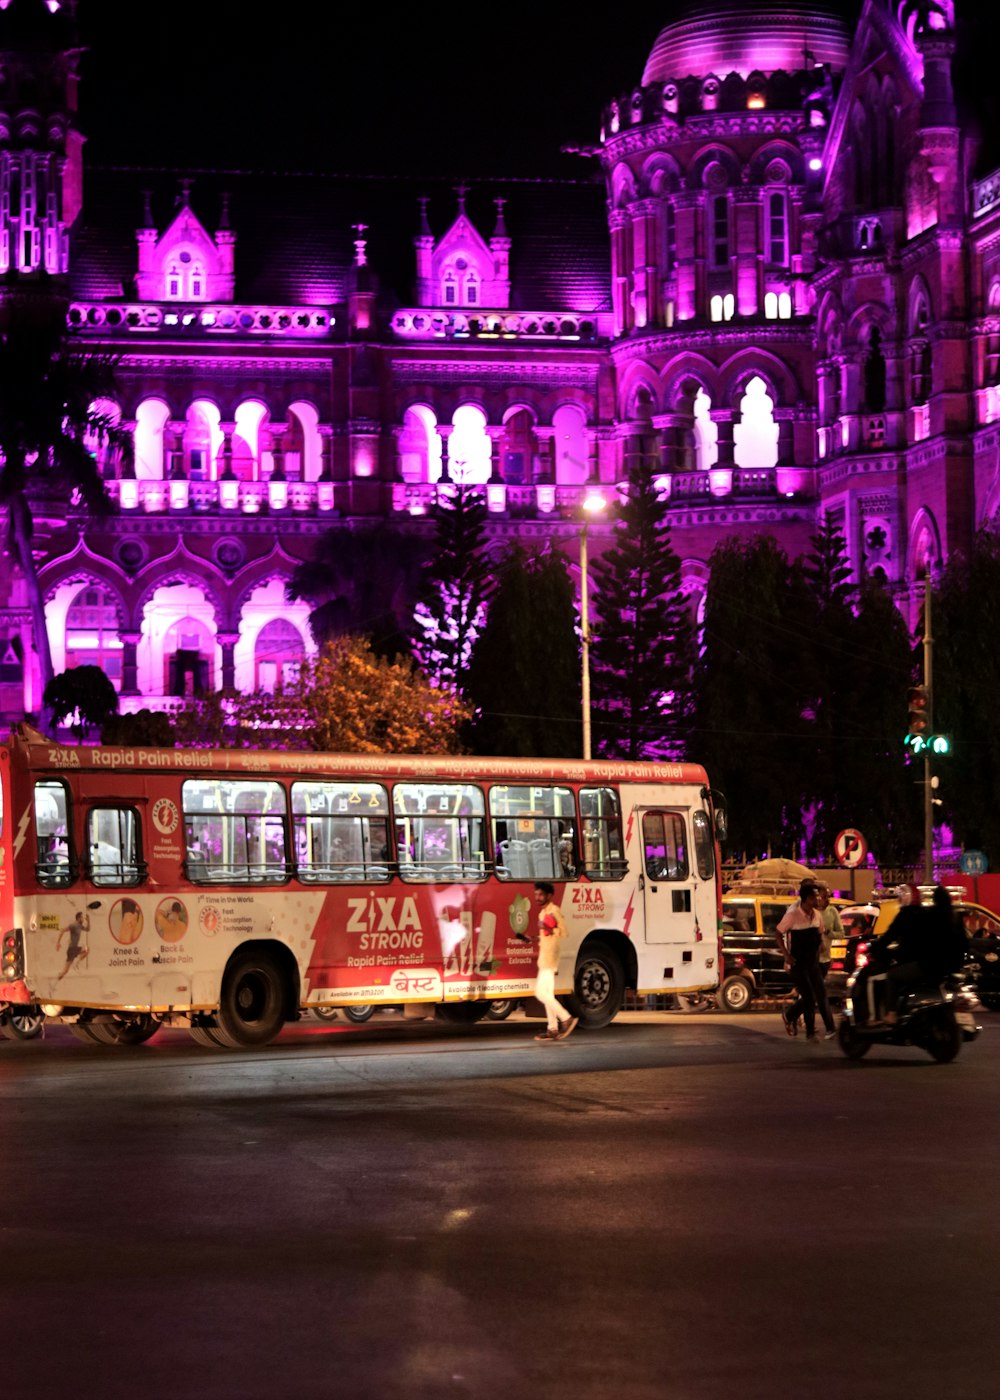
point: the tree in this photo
(643, 644)
(361, 583)
(148, 729)
(347, 699)
(50, 428)
(524, 679)
(965, 685)
(456, 588)
(85, 693)
(859, 662)
(748, 728)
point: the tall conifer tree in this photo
(525, 675)
(455, 589)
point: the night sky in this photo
(444, 89)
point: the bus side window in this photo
(534, 832)
(341, 832)
(53, 864)
(440, 831)
(664, 842)
(601, 824)
(113, 850)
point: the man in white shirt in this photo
(800, 933)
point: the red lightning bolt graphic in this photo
(628, 829)
(628, 913)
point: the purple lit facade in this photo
(784, 297)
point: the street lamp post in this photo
(592, 505)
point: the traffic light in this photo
(939, 743)
(918, 702)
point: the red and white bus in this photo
(227, 891)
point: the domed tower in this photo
(40, 147)
(713, 166)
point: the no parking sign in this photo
(850, 848)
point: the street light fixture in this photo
(593, 505)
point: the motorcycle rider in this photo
(919, 946)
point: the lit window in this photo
(784, 306)
(728, 306)
(771, 305)
(715, 309)
(777, 230)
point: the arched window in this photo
(419, 446)
(755, 436)
(450, 288)
(518, 449)
(188, 649)
(278, 655)
(874, 373)
(706, 433)
(92, 633)
(469, 447)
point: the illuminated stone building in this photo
(779, 286)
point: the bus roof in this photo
(33, 750)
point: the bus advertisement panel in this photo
(227, 891)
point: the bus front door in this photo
(667, 881)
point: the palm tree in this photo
(50, 427)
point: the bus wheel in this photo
(22, 1023)
(252, 1003)
(124, 1030)
(361, 1013)
(204, 1035)
(84, 1031)
(325, 1013)
(461, 1013)
(598, 987)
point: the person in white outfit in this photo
(551, 932)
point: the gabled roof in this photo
(295, 241)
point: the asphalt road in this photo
(685, 1207)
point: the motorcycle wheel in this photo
(944, 1037)
(854, 1046)
(24, 1023)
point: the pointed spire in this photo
(147, 209)
(360, 245)
(183, 197)
(461, 191)
(224, 212)
(501, 229)
(425, 228)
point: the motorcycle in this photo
(936, 1019)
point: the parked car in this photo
(752, 964)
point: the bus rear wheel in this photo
(252, 1002)
(461, 1013)
(598, 986)
(205, 1035)
(124, 1030)
(22, 1023)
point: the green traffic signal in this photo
(927, 743)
